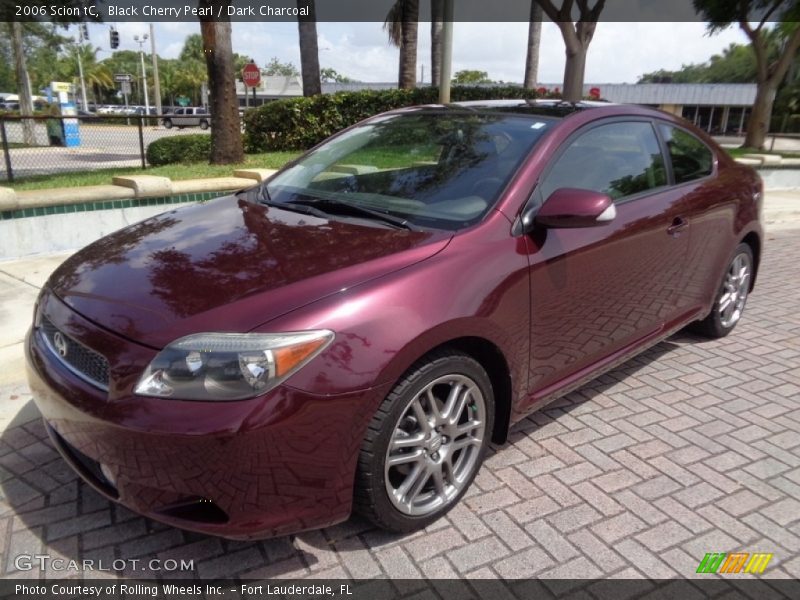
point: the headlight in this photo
(229, 366)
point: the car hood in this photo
(226, 265)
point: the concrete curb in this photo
(129, 187)
(145, 186)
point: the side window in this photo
(179, 111)
(691, 158)
(619, 159)
(200, 111)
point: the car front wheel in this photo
(425, 443)
(167, 123)
(731, 296)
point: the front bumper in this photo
(276, 464)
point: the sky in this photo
(619, 52)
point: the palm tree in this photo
(23, 84)
(309, 52)
(190, 79)
(226, 133)
(437, 25)
(170, 83)
(97, 75)
(193, 48)
(534, 40)
(401, 24)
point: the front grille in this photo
(82, 361)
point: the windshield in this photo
(441, 168)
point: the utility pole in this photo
(141, 43)
(156, 82)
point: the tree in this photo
(276, 67)
(97, 75)
(226, 134)
(534, 41)
(721, 14)
(577, 37)
(191, 77)
(193, 48)
(23, 84)
(467, 77)
(309, 51)
(736, 64)
(437, 26)
(329, 75)
(402, 24)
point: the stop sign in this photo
(251, 75)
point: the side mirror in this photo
(572, 207)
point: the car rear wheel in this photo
(426, 443)
(731, 296)
(203, 124)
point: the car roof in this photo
(554, 108)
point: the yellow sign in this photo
(60, 86)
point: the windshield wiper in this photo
(335, 206)
(265, 199)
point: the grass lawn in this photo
(738, 152)
(270, 160)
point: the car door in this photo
(597, 292)
(710, 201)
(180, 116)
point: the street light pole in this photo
(156, 81)
(141, 43)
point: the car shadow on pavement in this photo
(598, 386)
(45, 508)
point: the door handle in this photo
(678, 225)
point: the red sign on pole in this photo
(251, 75)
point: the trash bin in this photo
(55, 132)
(72, 136)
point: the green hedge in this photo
(190, 148)
(300, 123)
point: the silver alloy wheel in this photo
(436, 445)
(734, 290)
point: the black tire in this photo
(168, 123)
(715, 325)
(203, 125)
(457, 466)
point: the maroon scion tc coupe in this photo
(355, 331)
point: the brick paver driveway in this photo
(693, 447)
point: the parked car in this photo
(354, 332)
(190, 116)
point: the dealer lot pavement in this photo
(692, 447)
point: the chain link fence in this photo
(45, 145)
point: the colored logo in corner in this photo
(734, 562)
